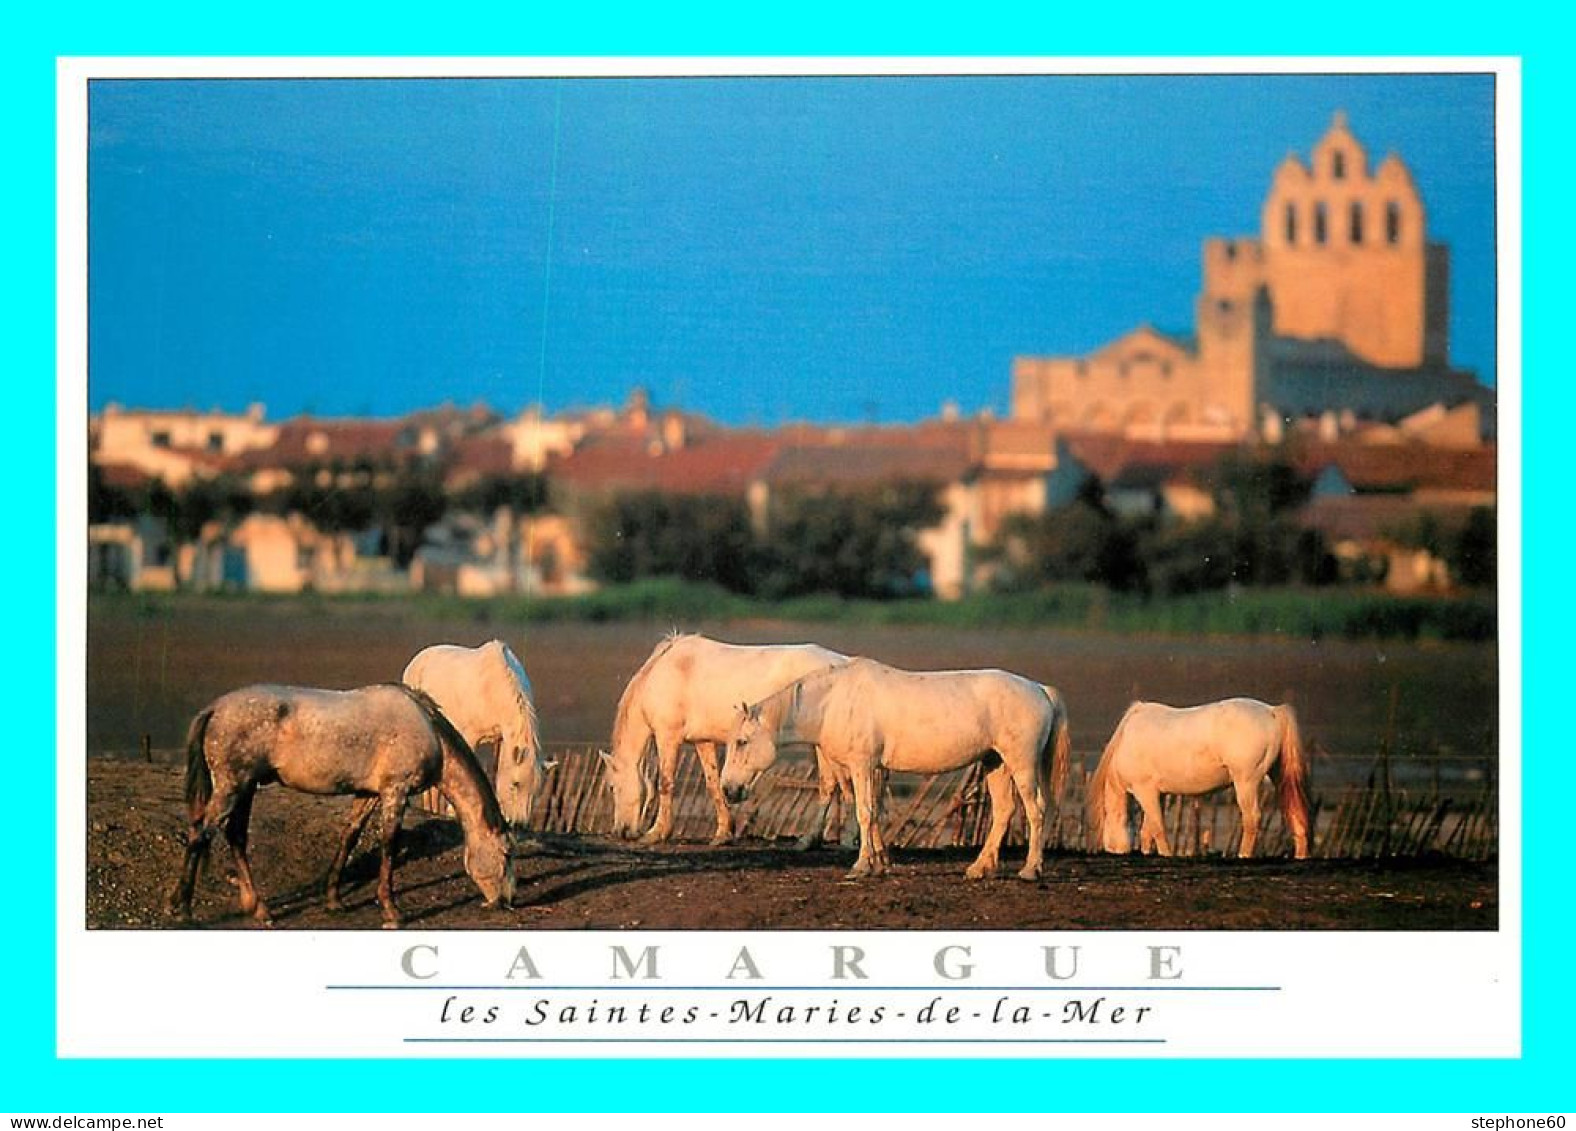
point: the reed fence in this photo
(1367, 810)
(1359, 808)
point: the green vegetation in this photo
(1278, 612)
(849, 544)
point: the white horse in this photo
(1158, 749)
(486, 694)
(688, 690)
(867, 718)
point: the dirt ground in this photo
(136, 830)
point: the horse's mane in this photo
(522, 701)
(789, 689)
(627, 699)
(464, 756)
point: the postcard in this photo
(790, 557)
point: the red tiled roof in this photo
(1405, 467)
(719, 464)
(484, 454)
(345, 439)
(828, 465)
(958, 435)
(1108, 455)
(1367, 467)
(123, 475)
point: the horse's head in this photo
(489, 866)
(521, 771)
(631, 787)
(751, 749)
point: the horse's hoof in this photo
(720, 839)
(977, 872)
(654, 837)
(392, 924)
(1030, 874)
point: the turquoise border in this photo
(35, 1081)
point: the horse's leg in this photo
(866, 782)
(829, 793)
(359, 814)
(883, 859)
(711, 770)
(834, 789)
(667, 771)
(199, 834)
(1031, 791)
(1154, 827)
(392, 813)
(237, 827)
(1248, 802)
(998, 783)
(834, 814)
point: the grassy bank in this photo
(1291, 613)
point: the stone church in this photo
(1338, 309)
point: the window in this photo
(1392, 222)
(1357, 221)
(216, 441)
(1291, 223)
(1321, 224)
(160, 439)
(1338, 165)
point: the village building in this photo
(175, 445)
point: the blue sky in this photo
(755, 249)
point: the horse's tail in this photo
(1058, 744)
(623, 717)
(199, 778)
(1291, 774)
(1101, 782)
(449, 735)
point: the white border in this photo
(1340, 994)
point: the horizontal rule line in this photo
(839, 989)
(786, 1040)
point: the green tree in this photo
(524, 493)
(1081, 541)
(106, 502)
(643, 534)
(405, 508)
(221, 498)
(1474, 551)
(853, 544)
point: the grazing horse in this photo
(381, 743)
(1158, 749)
(688, 690)
(867, 718)
(486, 694)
